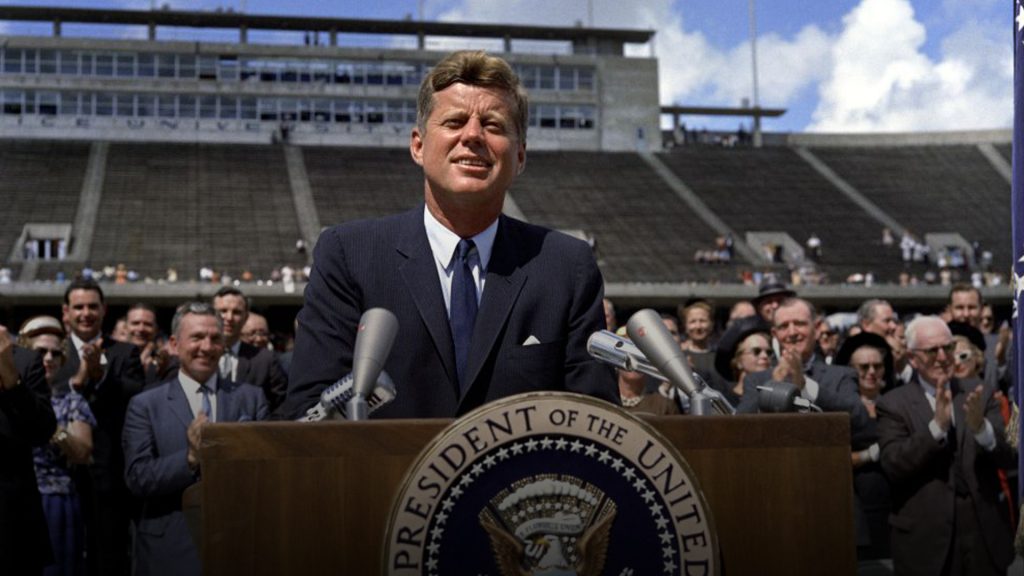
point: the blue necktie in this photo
(207, 408)
(463, 308)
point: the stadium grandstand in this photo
(167, 166)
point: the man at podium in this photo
(487, 305)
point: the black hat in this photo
(851, 345)
(738, 332)
(772, 289)
(967, 331)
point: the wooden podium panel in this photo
(314, 498)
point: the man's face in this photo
(141, 326)
(199, 346)
(673, 328)
(233, 313)
(794, 329)
(932, 355)
(965, 307)
(883, 323)
(256, 331)
(84, 313)
(469, 150)
(767, 306)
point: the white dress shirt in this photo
(193, 392)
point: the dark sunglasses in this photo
(757, 351)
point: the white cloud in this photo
(882, 80)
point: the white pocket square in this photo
(531, 341)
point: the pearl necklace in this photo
(630, 402)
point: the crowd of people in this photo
(934, 470)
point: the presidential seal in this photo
(550, 483)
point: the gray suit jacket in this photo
(837, 392)
(156, 468)
(539, 284)
(921, 472)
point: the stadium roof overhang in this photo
(722, 111)
(241, 21)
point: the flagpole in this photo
(753, 62)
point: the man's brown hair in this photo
(473, 68)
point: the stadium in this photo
(165, 159)
(169, 169)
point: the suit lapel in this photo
(178, 402)
(920, 409)
(224, 409)
(505, 279)
(242, 365)
(419, 272)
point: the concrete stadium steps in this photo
(185, 206)
(1006, 151)
(643, 231)
(41, 183)
(357, 183)
(933, 189)
(773, 189)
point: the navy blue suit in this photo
(539, 284)
(156, 468)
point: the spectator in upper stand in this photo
(256, 331)
(107, 373)
(814, 247)
(942, 441)
(162, 433)
(26, 420)
(143, 333)
(768, 298)
(244, 362)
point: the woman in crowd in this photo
(968, 359)
(869, 354)
(71, 444)
(745, 348)
(698, 325)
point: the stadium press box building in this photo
(77, 78)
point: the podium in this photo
(314, 498)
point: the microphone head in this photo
(374, 338)
(775, 397)
(650, 335)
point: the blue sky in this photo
(836, 65)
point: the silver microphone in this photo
(374, 338)
(619, 352)
(334, 400)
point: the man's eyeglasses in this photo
(933, 352)
(757, 351)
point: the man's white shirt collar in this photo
(190, 387)
(443, 241)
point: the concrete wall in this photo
(628, 93)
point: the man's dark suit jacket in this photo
(260, 367)
(26, 420)
(540, 285)
(156, 449)
(108, 398)
(106, 504)
(837, 392)
(921, 471)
